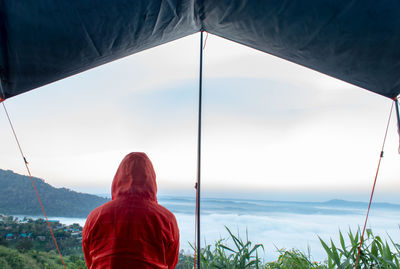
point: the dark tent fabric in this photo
(42, 41)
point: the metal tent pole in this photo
(199, 153)
(396, 101)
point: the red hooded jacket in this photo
(132, 230)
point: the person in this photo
(132, 230)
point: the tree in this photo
(24, 245)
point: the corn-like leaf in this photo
(356, 237)
(352, 240)
(327, 249)
(255, 248)
(227, 248)
(374, 249)
(396, 246)
(369, 233)
(335, 254)
(342, 243)
(234, 238)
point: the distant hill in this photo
(17, 197)
(344, 203)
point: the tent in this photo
(43, 41)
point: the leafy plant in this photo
(186, 261)
(242, 255)
(293, 259)
(375, 253)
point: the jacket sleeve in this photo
(173, 250)
(86, 246)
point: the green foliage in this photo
(11, 258)
(375, 253)
(77, 261)
(19, 198)
(243, 255)
(293, 259)
(185, 261)
(4, 264)
(24, 245)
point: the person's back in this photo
(132, 230)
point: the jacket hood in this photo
(135, 177)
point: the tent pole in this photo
(396, 104)
(396, 101)
(199, 153)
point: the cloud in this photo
(284, 230)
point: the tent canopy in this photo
(357, 41)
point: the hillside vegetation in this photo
(12, 258)
(27, 243)
(18, 197)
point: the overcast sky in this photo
(271, 129)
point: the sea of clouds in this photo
(279, 225)
(286, 230)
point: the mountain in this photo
(18, 197)
(344, 203)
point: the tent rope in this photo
(205, 41)
(33, 183)
(197, 186)
(373, 187)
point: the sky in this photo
(271, 129)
